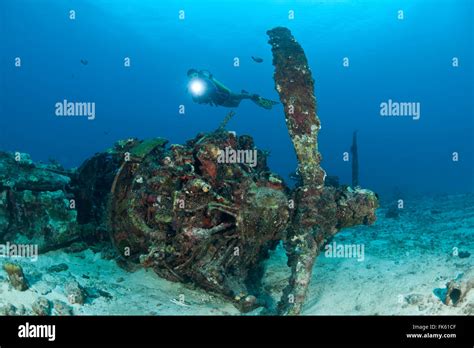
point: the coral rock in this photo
(61, 308)
(16, 276)
(74, 292)
(34, 204)
(41, 306)
(458, 289)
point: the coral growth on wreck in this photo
(192, 219)
(187, 211)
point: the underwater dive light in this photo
(197, 87)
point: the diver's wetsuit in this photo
(218, 94)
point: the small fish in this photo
(257, 59)
(84, 62)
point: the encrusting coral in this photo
(35, 206)
(320, 210)
(16, 276)
(206, 212)
(193, 219)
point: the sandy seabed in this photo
(407, 262)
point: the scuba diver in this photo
(205, 89)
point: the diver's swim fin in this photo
(264, 103)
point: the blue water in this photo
(403, 60)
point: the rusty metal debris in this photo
(196, 212)
(34, 204)
(190, 218)
(321, 210)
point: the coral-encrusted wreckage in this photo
(320, 210)
(34, 203)
(192, 219)
(182, 212)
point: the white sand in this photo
(405, 260)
